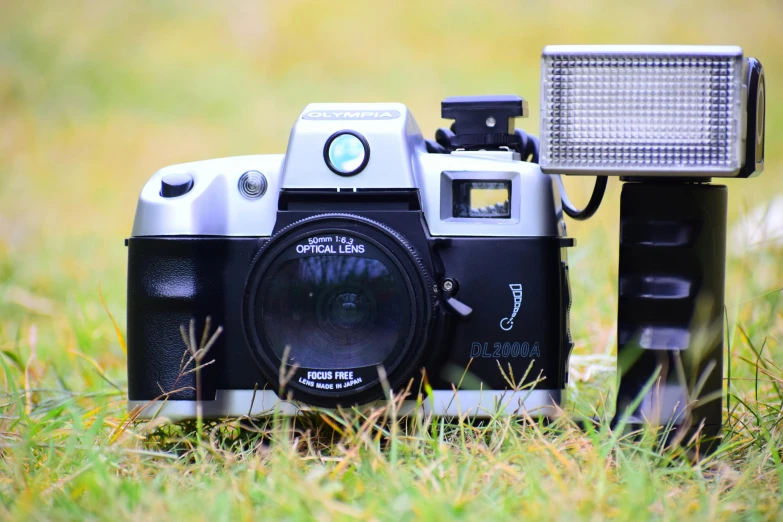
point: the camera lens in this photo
(333, 312)
(331, 303)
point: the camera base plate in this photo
(465, 403)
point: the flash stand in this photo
(670, 309)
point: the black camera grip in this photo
(671, 302)
(170, 283)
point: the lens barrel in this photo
(330, 300)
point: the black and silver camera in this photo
(354, 262)
(368, 258)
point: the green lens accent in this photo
(346, 153)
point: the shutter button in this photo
(174, 185)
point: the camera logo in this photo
(351, 115)
(507, 323)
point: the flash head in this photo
(663, 111)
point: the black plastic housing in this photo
(671, 302)
(756, 113)
(172, 280)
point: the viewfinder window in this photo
(481, 199)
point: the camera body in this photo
(358, 262)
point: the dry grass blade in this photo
(117, 330)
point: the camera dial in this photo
(175, 185)
(252, 184)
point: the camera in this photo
(368, 259)
(356, 261)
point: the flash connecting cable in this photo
(592, 206)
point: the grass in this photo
(94, 97)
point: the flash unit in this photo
(666, 119)
(694, 111)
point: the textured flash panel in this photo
(641, 112)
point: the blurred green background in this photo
(96, 96)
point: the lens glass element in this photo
(346, 154)
(334, 311)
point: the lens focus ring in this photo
(252, 184)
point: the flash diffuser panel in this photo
(643, 110)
